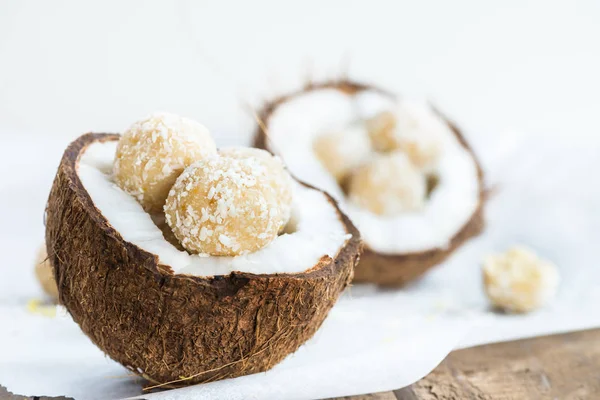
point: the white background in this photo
(70, 66)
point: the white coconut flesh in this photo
(315, 227)
(295, 124)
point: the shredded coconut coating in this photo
(342, 150)
(275, 172)
(388, 185)
(153, 152)
(382, 131)
(518, 280)
(225, 206)
(412, 128)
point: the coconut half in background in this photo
(177, 318)
(324, 135)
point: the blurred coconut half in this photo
(403, 172)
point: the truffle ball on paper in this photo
(154, 151)
(518, 280)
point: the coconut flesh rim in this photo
(317, 228)
(292, 129)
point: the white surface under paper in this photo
(373, 340)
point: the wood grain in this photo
(565, 366)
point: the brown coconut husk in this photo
(176, 329)
(383, 268)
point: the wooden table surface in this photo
(561, 367)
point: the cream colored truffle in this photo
(342, 150)
(382, 131)
(275, 172)
(225, 206)
(388, 185)
(45, 274)
(412, 128)
(153, 152)
(518, 280)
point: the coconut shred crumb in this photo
(227, 206)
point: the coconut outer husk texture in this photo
(176, 329)
(384, 269)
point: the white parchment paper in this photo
(547, 195)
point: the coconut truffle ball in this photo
(518, 280)
(382, 131)
(275, 172)
(413, 128)
(153, 152)
(225, 206)
(388, 185)
(342, 150)
(45, 274)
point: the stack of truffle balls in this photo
(224, 202)
(387, 163)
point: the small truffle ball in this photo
(275, 173)
(342, 150)
(414, 129)
(388, 185)
(382, 131)
(153, 152)
(225, 206)
(45, 274)
(518, 280)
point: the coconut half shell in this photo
(177, 329)
(387, 269)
